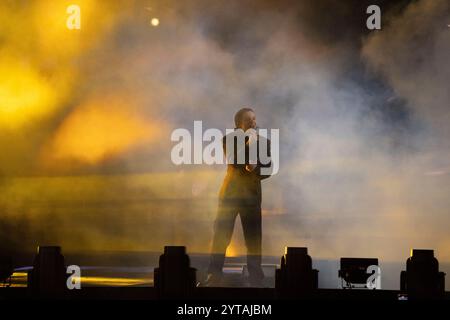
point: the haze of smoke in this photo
(353, 172)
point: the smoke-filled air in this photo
(86, 118)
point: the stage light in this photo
(174, 277)
(422, 278)
(155, 22)
(48, 276)
(353, 271)
(296, 277)
(6, 269)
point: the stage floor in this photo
(135, 269)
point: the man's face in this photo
(248, 121)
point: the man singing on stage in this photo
(240, 194)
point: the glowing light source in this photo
(154, 22)
(232, 250)
(113, 281)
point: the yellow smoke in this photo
(39, 55)
(25, 94)
(100, 128)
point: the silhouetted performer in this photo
(240, 194)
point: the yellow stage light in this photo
(155, 22)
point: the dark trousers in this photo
(250, 215)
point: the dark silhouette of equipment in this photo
(353, 272)
(422, 279)
(48, 276)
(296, 277)
(174, 277)
(6, 269)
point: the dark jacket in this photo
(240, 184)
